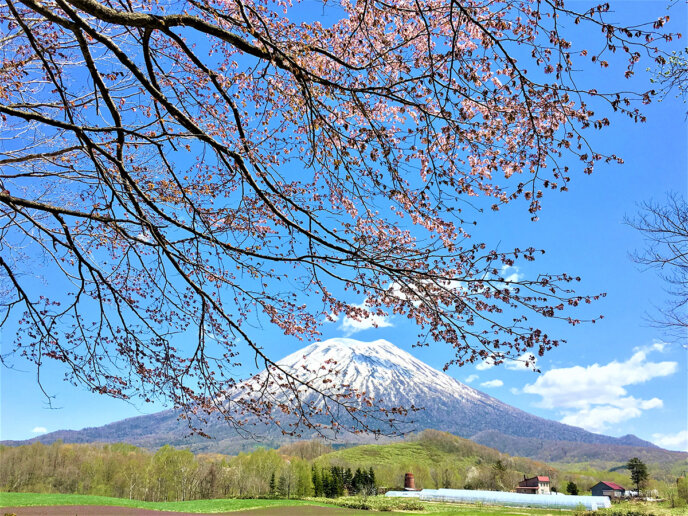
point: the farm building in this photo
(410, 482)
(534, 485)
(610, 489)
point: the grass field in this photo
(400, 507)
(200, 506)
(632, 508)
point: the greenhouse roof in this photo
(552, 501)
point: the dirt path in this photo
(97, 510)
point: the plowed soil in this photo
(97, 510)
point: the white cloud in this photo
(396, 290)
(471, 378)
(598, 417)
(487, 364)
(492, 383)
(511, 273)
(350, 326)
(39, 430)
(145, 236)
(594, 397)
(678, 441)
(515, 391)
(519, 364)
(657, 345)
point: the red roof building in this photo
(610, 489)
(534, 485)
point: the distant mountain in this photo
(387, 373)
(548, 450)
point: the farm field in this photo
(309, 507)
(191, 506)
(32, 504)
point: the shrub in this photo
(682, 488)
(410, 505)
(354, 504)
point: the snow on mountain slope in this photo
(384, 372)
(381, 370)
(395, 378)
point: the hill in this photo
(439, 459)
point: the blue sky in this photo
(618, 376)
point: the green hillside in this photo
(438, 459)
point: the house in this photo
(610, 489)
(534, 485)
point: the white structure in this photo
(549, 501)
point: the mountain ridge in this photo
(383, 371)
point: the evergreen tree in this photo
(357, 482)
(337, 478)
(272, 484)
(348, 481)
(638, 471)
(282, 487)
(572, 488)
(317, 482)
(371, 480)
(326, 483)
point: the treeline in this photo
(337, 481)
(125, 471)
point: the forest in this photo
(298, 470)
(126, 471)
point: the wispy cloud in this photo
(595, 396)
(485, 365)
(511, 273)
(525, 362)
(39, 430)
(471, 378)
(350, 326)
(517, 364)
(492, 383)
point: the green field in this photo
(400, 507)
(200, 506)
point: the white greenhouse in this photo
(551, 501)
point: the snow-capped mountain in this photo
(384, 372)
(396, 378)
